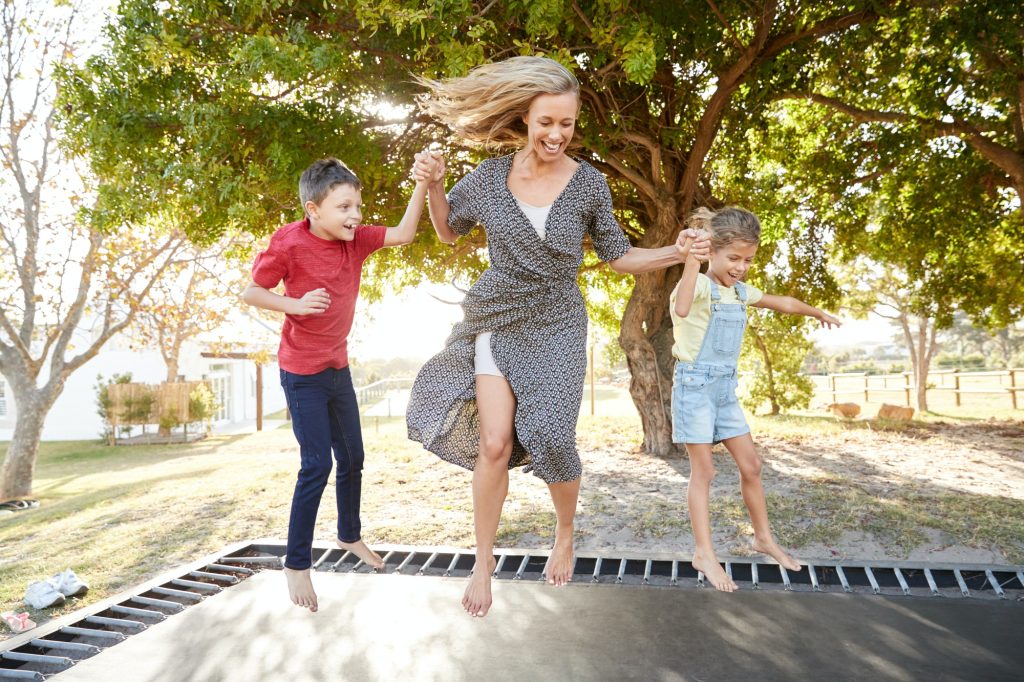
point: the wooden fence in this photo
(141, 404)
(960, 383)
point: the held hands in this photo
(428, 167)
(313, 302)
(826, 320)
(695, 243)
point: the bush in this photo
(103, 404)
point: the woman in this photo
(506, 390)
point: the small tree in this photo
(776, 345)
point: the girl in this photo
(506, 390)
(709, 313)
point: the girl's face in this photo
(730, 263)
(550, 123)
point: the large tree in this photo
(209, 110)
(65, 289)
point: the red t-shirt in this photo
(312, 343)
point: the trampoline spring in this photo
(902, 581)
(427, 563)
(674, 580)
(93, 632)
(195, 585)
(356, 566)
(6, 674)
(181, 594)
(522, 568)
(1020, 578)
(931, 582)
(728, 569)
(249, 560)
(229, 579)
(405, 562)
(960, 581)
(700, 578)
(385, 561)
(116, 622)
(65, 646)
(142, 613)
(786, 585)
(622, 571)
(754, 580)
(337, 564)
(159, 603)
(499, 565)
(597, 571)
(38, 659)
(871, 579)
(323, 558)
(647, 572)
(995, 584)
(451, 566)
(842, 579)
(813, 573)
(234, 569)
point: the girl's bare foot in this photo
(300, 588)
(561, 561)
(365, 554)
(713, 571)
(772, 549)
(477, 598)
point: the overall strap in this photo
(716, 296)
(741, 292)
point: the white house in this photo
(74, 416)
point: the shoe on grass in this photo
(17, 622)
(68, 584)
(42, 594)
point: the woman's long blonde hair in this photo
(486, 106)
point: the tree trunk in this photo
(20, 463)
(773, 398)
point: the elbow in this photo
(618, 266)
(682, 311)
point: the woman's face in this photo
(550, 123)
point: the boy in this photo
(320, 260)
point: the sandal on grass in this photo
(19, 505)
(17, 622)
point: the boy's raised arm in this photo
(405, 231)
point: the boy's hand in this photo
(428, 167)
(696, 243)
(827, 320)
(312, 302)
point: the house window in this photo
(220, 382)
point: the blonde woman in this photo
(506, 390)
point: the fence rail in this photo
(907, 387)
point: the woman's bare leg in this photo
(702, 471)
(496, 405)
(558, 568)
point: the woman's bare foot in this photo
(300, 588)
(772, 549)
(713, 571)
(561, 561)
(477, 598)
(365, 554)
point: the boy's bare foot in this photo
(772, 549)
(365, 554)
(300, 588)
(714, 572)
(477, 598)
(560, 563)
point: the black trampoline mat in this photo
(392, 627)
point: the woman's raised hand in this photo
(696, 243)
(428, 167)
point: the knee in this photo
(315, 471)
(702, 473)
(495, 449)
(750, 470)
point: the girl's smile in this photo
(730, 264)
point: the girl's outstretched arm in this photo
(430, 168)
(793, 306)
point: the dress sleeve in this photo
(465, 199)
(271, 265)
(609, 241)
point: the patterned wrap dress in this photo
(530, 302)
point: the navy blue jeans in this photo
(325, 417)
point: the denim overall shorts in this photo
(704, 404)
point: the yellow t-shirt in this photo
(688, 331)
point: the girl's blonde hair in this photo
(486, 106)
(727, 225)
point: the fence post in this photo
(832, 380)
(1013, 387)
(906, 386)
(956, 385)
(865, 386)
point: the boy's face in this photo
(336, 217)
(550, 123)
(730, 263)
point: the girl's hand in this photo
(312, 302)
(696, 243)
(827, 320)
(428, 167)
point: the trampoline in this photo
(227, 617)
